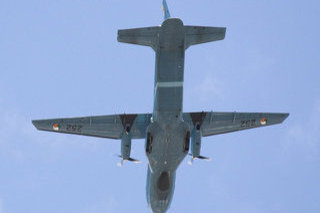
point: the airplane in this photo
(169, 132)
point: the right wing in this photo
(214, 123)
(108, 126)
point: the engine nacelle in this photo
(196, 141)
(126, 145)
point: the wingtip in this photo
(40, 125)
(34, 122)
(285, 116)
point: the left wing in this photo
(109, 126)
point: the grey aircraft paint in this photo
(167, 130)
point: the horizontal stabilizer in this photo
(146, 36)
(198, 35)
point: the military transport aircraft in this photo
(168, 130)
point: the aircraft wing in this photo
(112, 126)
(214, 123)
(109, 126)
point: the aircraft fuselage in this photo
(167, 141)
(167, 130)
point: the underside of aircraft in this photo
(170, 134)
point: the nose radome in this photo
(164, 181)
(159, 206)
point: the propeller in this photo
(120, 164)
(190, 162)
(204, 158)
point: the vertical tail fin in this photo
(165, 10)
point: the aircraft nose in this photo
(159, 206)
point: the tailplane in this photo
(199, 34)
(146, 36)
(149, 36)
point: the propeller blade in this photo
(190, 162)
(120, 164)
(204, 158)
(134, 160)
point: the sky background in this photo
(62, 59)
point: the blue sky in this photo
(61, 59)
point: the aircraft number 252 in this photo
(248, 123)
(74, 128)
